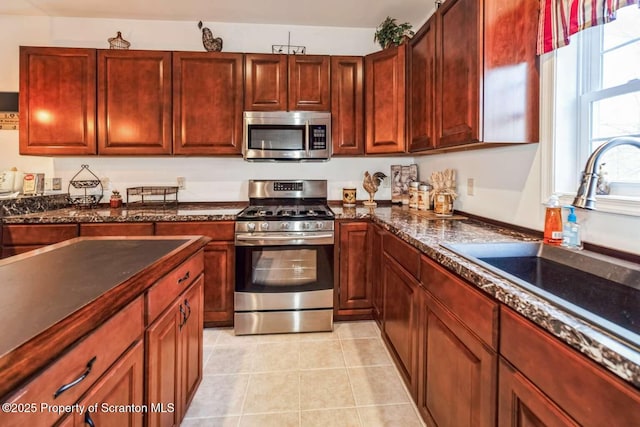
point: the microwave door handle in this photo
(307, 139)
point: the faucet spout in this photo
(586, 196)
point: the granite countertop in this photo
(425, 232)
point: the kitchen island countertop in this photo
(426, 233)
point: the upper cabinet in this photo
(207, 103)
(421, 75)
(134, 102)
(286, 82)
(57, 101)
(347, 105)
(385, 101)
(472, 79)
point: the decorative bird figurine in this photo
(210, 43)
(371, 184)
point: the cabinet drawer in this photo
(167, 289)
(218, 230)
(406, 255)
(477, 311)
(581, 388)
(82, 365)
(37, 234)
(119, 229)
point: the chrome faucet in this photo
(586, 197)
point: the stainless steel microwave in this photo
(287, 135)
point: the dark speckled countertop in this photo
(426, 234)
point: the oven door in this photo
(284, 277)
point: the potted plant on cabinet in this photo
(389, 33)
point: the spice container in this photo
(423, 197)
(116, 200)
(413, 194)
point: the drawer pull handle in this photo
(185, 277)
(184, 316)
(186, 304)
(77, 380)
(88, 420)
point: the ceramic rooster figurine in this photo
(210, 43)
(371, 184)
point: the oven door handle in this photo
(324, 238)
(307, 141)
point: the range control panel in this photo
(287, 186)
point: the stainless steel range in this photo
(284, 258)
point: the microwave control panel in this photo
(318, 137)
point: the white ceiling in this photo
(334, 13)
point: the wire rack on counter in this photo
(85, 188)
(152, 196)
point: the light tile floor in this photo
(342, 378)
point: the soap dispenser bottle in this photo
(553, 222)
(571, 231)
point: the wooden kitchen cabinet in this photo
(219, 266)
(354, 291)
(134, 102)
(347, 105)
(570, 390)
(121, 386)
(401, 293)
(266, 78)
(117, 229)
(385, 101)
(487, 74)
(457, 351)
(207, 103)
(421, 81)
(57, 101)
(309, 83)
(374, 268)
(21, 238)
(174, 357)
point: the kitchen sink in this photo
(602, 290)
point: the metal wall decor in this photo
(118, 42)
(288, 48)
(210, 43)
(85, 188)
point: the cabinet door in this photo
(421, 60)
(354, 291)
(191, 343)
(117, 229)
(385, 101)
(458, 57)
(457, 371)
(122, 385)
(375, 272)
(265, 82)
(134, 102)
(347, 105)
(400, 319)
(18, 238)
(57, 101)
(521, 404)
(309, 83)
(163, 367)
(207, 103)
(219, 273)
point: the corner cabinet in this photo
(207, 103)
(347, 105)
(134, 102)
(57, 101)
(385, 100)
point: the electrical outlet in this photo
(106, 183)
(470, 186)
(182, 182)
(386, 182)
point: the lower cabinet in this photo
(174, 357)
(353, 296)
(21, 238)
(545, 382)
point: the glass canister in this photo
(413, 194)
(423, 197)
(443, 204)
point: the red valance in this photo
(559, 19)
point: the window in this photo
(596, 97)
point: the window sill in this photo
(621, 205)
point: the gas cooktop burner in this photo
(286, 212)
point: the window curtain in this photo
(559, 19)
